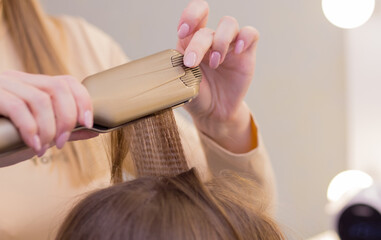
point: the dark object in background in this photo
(360, 222)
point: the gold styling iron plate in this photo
(126, 93)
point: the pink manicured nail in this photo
(36, 143)
(215, 59)
(62, 139)
(40, 153)
(43, 150)
(190, 59)
(239, 46)
(88, 119)
(183, 31)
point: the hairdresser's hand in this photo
(227, 59)
(45, 109)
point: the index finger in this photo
(83, 100)
(194, 17)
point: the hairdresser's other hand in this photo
(45, 109)
(227, 59)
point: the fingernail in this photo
(88, 119)
(239, 46)
(183, 30)
(43, 150)
(190, 59)
(40, 153)
(36, 143)
(215, 60)
(62, 139)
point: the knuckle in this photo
(67, 121)
(59, 84)
(82, 92)
(70, 79)
(25, 126)
(75, 86)
(256, 33)
(205, 5)
(43, 99)
(230, 20)
(251, 30)
(205, 31)
(249, 34)
(193, 17)
(16, 105)
(29, 128)
(82, 97)
(197, 4)
(257, 36)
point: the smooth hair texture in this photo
(173, 208)
(29, 28)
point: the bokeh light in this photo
(348, 181)
(348, 14)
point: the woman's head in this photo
(180, 207)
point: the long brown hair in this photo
(29, 28)
(168, 201)
(172, 208)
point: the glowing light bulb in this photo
(344, 182)
(348, 13)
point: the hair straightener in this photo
(126, 93)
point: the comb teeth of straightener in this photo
(192, 76)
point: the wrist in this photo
(237, 134)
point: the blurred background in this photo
(316, 92)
